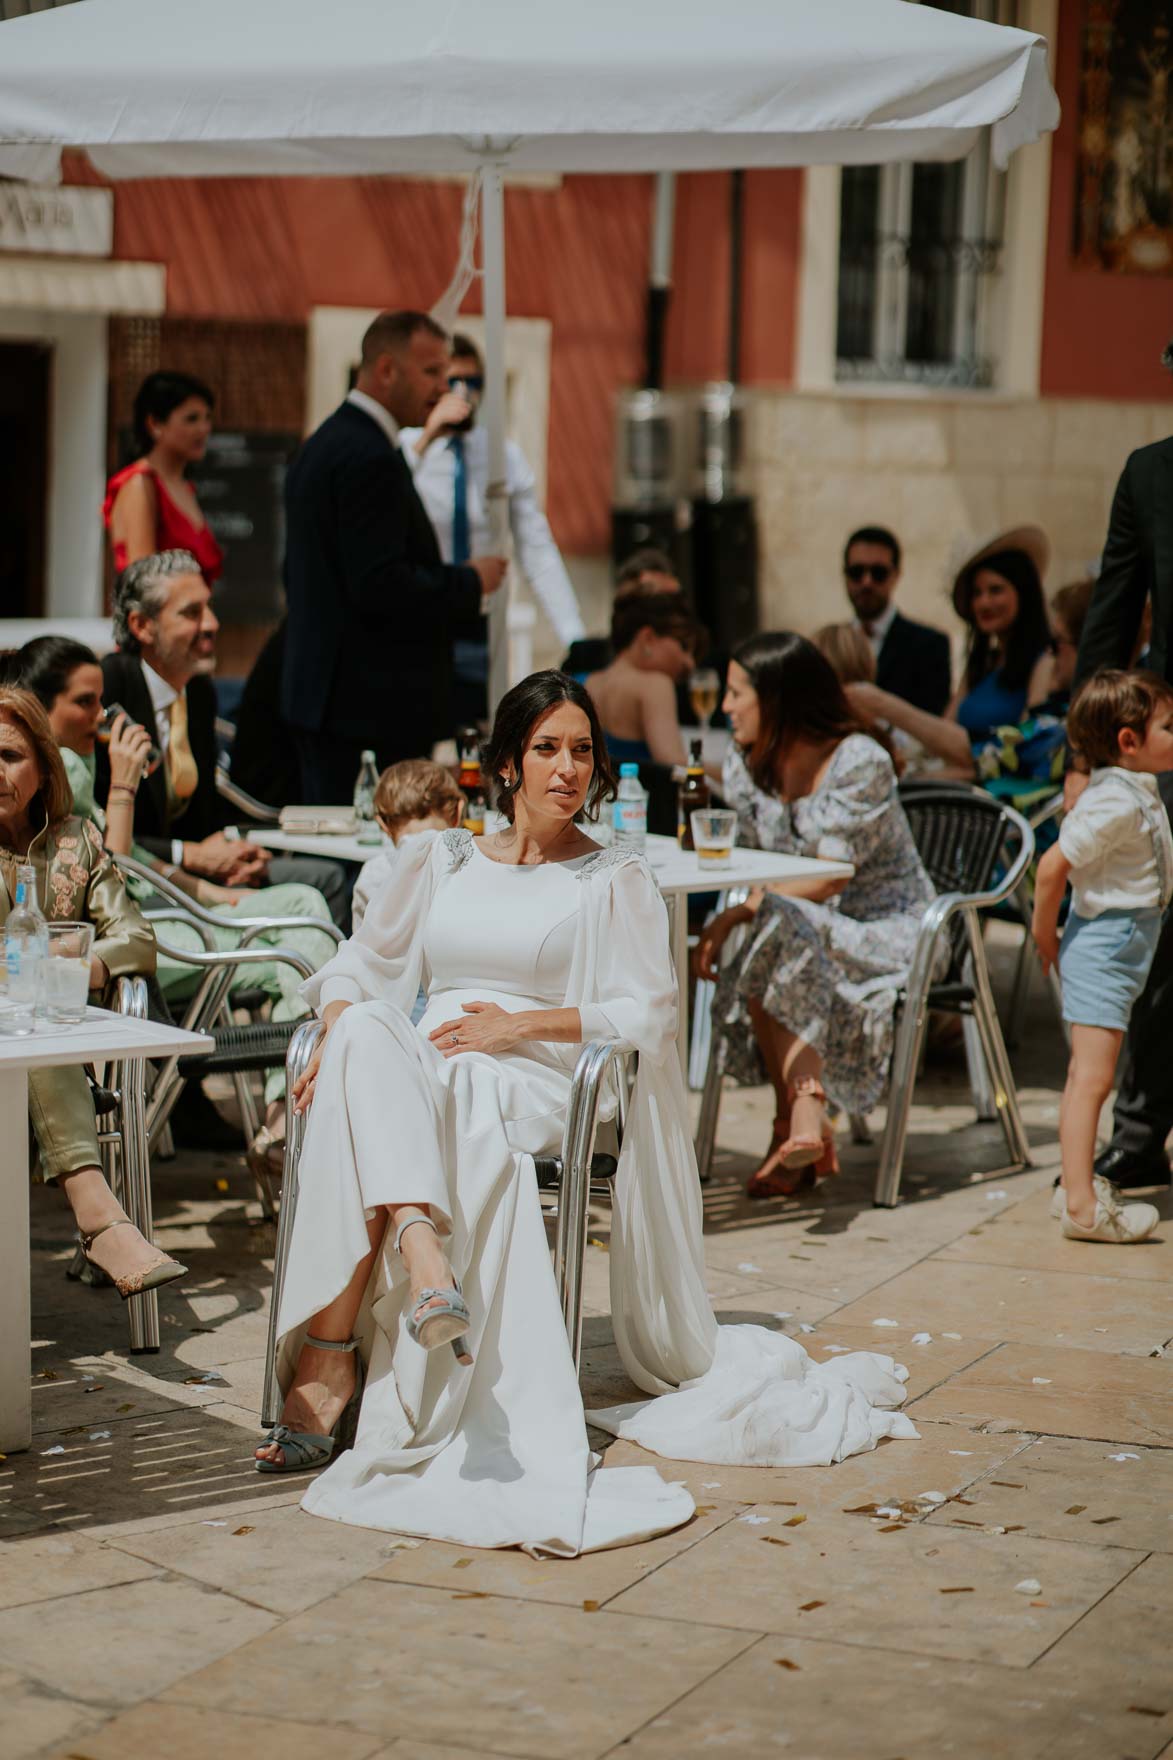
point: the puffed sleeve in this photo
(1098, 820)
(383, 959)
(634, 988)
(847, 815)
(739, 792)
(123, 939)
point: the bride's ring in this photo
(453, 1040)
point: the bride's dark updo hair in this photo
(517, 714)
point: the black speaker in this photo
(656, 528)
(725, 569)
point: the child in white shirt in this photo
(1116, 846)
(415, 795)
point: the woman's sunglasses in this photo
(858, 572)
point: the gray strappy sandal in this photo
(449, 1320)
(306, 1449)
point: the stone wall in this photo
(943, 473)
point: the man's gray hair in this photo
(144, 586)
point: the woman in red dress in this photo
(150, 506)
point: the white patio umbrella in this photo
(162, 88)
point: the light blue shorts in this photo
(1104, 965)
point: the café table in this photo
(678, 874)
(102, 1037)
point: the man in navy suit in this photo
(372, 610)
(912, 659)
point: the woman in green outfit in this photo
(76, 882)
(66, 678)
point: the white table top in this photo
(679, 870)
(102, 1036)
(676, 870)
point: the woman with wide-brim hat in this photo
(999, 593)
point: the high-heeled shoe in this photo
(162, 1270)
(305, 1449)
(800, 1160)
(447, 1319)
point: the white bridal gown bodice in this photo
(496, 1454)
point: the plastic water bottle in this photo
(26, 948)
(630, 812)
(364, 799)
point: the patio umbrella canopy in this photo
(162, 88)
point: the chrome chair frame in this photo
(570, 1171)
(1028, 957)
(949, 914)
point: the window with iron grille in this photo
(919, 255)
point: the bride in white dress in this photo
(417, 1180)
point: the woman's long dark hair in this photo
(1027, 636)
(517, 713)
(47, 663)
(799, 697)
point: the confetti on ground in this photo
(922, 1338)
(753, 1521)
(953, 1335)
(95, 1387)
(590, 1607)
(1040, 1381)
(772, 1540)
(57, 1448)
(711, 1485)
(965, 1451)
(803, 1326)
(932, 1497)
(965, 1589)
(885, 1322)
(245, 1530)
(887, 1509)
(1076, 1509)
(782, 1314)
(748, 1267)
(1102, 1521)
(213, 1524)
(785, 1662)
(99, 1435)
(992, 1197)
(809, 1606)
(794, 1522)
(1124, 1457)
(836, 1349)
(1028, 1586)
(462, 1564)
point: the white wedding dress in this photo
(496, 1454)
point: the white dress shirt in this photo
(537, 553)
(1110, 837)
(377, 413)
(879, 627)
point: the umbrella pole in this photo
(493, 293)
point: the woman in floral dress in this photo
(807, 1000)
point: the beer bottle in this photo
(469, 781)
(692, 794)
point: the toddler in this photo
(415, 795)
(1116, 846)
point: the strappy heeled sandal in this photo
(800, 1160)
(306, 1449)
(162, 1270)
(449, 1319)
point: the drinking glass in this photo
(714, 832)
(704, 687)
(110, 715)
(67, 972)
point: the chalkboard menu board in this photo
(239, 483)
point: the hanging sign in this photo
(61, 220)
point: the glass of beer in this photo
(110, 715)
(704, 688)
(66, 972)
(714, 833)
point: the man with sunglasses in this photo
(912, 659)
(449, 456)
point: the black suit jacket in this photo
(1137, 564)
(372, 610)
(914, 663)
(206, 810)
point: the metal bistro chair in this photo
(1021, 906)
(962, 835)
(240, 1050)
(576, 1174)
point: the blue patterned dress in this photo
(828, 972)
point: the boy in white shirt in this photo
(414, 795)
(1116, 846)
